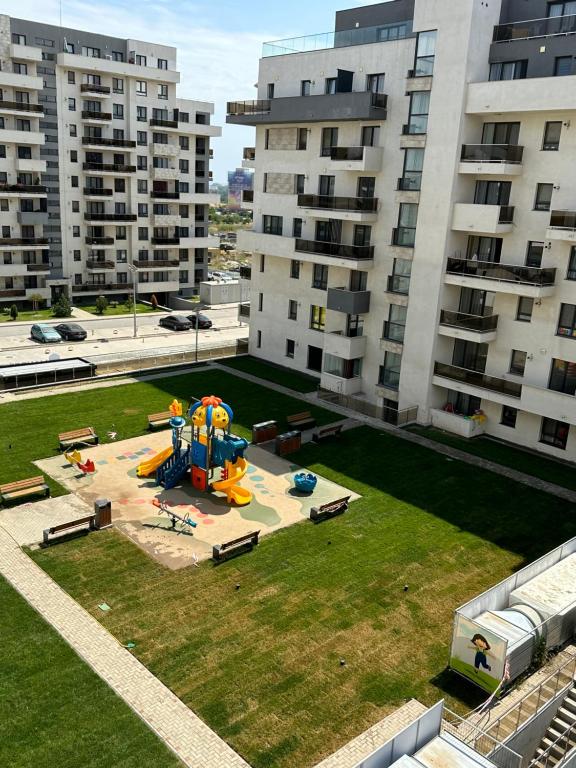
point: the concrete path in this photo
(182, 731)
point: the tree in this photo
(61, 307)
(101, 304)
(13, 311)
(154, 301)
(129, 303)
(36, 300)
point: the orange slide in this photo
(234, 493)
(149, 467)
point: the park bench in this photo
(245, 543)
(332, 509)
(325, 432)
(301, 421)
(90, 521)
(159, 419)
(77, 437)
(32, 486)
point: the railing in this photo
(21, 106)
(95, 287)
(165, 195)
(92, 114)
(477, 379)
(34, 189)
(523, 30)
(126, 143)
(99, 241)
(399, 284)
(24, 241)
(165, 240)
(8, 293)
(563, 220)
(500, 755)
(249, 153)
(347, 153)
(113, 167)
(554, 755)
(511, 273)
(157, 123)
(110, 217)
(254, 107)
(94, 88)
(386, 414)
(357, 252)
(156, 263)
(491, 153)
(98, 264)
(97, 192)
(330, 203)
(339, 39)
(43, 267)
(478, 323)
(394, 332)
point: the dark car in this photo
(175, 323)
(203, 321)
(71, 332)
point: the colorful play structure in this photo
(211, 446)
(75, 458)
(305, 482)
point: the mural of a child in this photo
(481, 646)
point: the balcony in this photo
(533, 28)
(43, 266)
(562, 226)
(20, 82)
(113, 168)
(21, 106)
(101, 287)
(110, 217)
(344, 208)
(30, 165)
(96, 90)
(156, 123)
(91, 114)
(484, 219)
(477, 328)
(165, 241)
(25, 52)
(355, 159)
(27, 138)
(32, 218)
(24, 242)
(164, 195)
(348, 302)
(165, 174)
(533, 282)
(456, 423)
(100, 264)
(24, 190)
(477, 380)
(339, 250)
(165, 150)
(547, 402)
(156, 263)
(337, 343)
(97, 192)
(91, 141)
(99, 241)
(12, 293)
(491, 159)
(339, 107)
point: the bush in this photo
(129, 303)
(13, 311)
(61, 307)
(154, 301)
(101, 305)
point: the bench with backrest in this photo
(159, 419)
(235, 547)
(77, 437)
(301, 421)
(326, 432)
(332, 509)
(32, 486)
(90, 521)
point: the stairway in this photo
(173, 470)
(555, 745)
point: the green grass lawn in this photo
(54, 711)
(507, 455)
(261, 664)
(120, 309)
(299, 382)
(28, 315)
(29, 429)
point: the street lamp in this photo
(134, 271)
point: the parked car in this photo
(175, 323)
(45, 334)
(203, 321)
(71, 331)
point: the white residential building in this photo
(101, 166)
(415, 214)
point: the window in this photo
(292, 310)
(563, 377)
(71, 77)
(297, 229)
(21, 69)
(393, 32)
(329, 140)
(142, 233)
(375, 83)
(524, 310)
(389, 375)
(142, 138)
(571, 273)
(484, 248)
(120, 233)
(272, 225)
(262, 262)
(117, 56)
(562, 9)
(508, 417)
(326, 186)
(295, 269)
(492, 192)
(119, 185)
(500, 133)
(554, 433)
(270, 91)
(92, 52)
(18, 39)
(162, 91)
(73, 130)
(141, 88)
(117, 85)
(122, 256)
(258, 339)
(74, 181)
(509, 70)
(142, 186)
(517, 362)
(260, 302)
(141, 162)
(425, 51)
(184, 165)
(562, 66)
(365, 186)
(320, 277)
(395, 326)
(162, 63)
(534, 253)
(418, 116)
(330, 85)
(118, 111)
(73, 156)
(75, 206)
(140, 60)
(299, 180)
(552, 131)
(184, 143)
(317, 318)
(399, 280)
(362, 234)
(76, 231)
(141, 114)
(305, 86)
(302, 142)
(71, 104)
(406, 232)
(567, 321)
(290, 346)
(543, 197)
(3, 150)
(369, 136)
(412, 174)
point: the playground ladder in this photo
(173, 469)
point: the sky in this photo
(219, 43)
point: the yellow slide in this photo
(234, 493)
(150, 466)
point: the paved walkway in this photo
(183, 732)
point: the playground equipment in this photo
(174, 517)
(75, 458)
(305, 482)
(211, 446)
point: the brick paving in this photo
(184, 733)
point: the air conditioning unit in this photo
(108, 56)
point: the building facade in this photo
(103, 169)
(239, 182)
(415, 214)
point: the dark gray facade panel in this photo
(521, 10)
(373, 15)
(33, 29)
(539, 64)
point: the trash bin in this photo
(103, 512)
(288, 442)
(266, 430)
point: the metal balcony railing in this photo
(477, 379)
(156, 263)
(24, 241)
(330, 203)
(524, 30)
(110, 217)
(157, 123)
(339, 250)
(94, 88)
(111, 167)
(21, 106)
(100, 264)
(490, 270)
(491, 153)
(32, 189)
(92, 114)
(477, 323)
(101, 142)
(98, 191)
(100, 241)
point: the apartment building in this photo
(415, 214)
(104, 171)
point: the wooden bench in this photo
(159, 419)
(301, 421)
(332, 509)
(90, 521)
(77, 437)
(32, 486)
(245, 543)
(326, 432)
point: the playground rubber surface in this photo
(276, 504)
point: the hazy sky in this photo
(219, 43)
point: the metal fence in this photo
(384, 413)
(501, 755)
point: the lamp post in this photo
(134, 270)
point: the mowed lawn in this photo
(54, 711)
(29, 429)
(299, 382)
(261, 664)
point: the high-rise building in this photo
(415, 214)
(239, 182)
(103, 167)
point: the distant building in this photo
(238, 181)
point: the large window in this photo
(484, 248)
(320, 277)
(317, 317)
(552, 131)
(292, 309)
(562, 9)
(508, 418)
(344, 369)
(567, 321)
(412, 173)
(462, 404)
(554, 433)
(419, 108)
(470, 355)
(562, 66)
(390, 372)
(395, 326)
(407, 218)
(500, 133)
(543, 197)
(399, 280)
(518, 362)
(329, 140)
(375, 83)
(563, 377)
(492, 192)
(571, 273)
(509, 70)
(272, 225)
(425, 50)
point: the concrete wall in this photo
(213, 292)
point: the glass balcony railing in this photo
(339, 39)
(347, 153)
(21, 106)
(491, 153)
(254, 107)
(330, 203)
(491, 270)
(524, 30)
(563, 220)
(478, 379)
(477, 323)
(339, 250)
